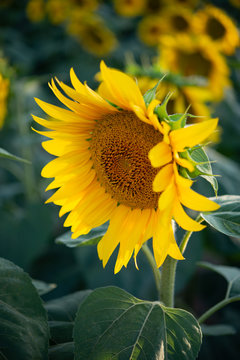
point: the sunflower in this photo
(218, 26)
(110, 147)
(4, 90)
(195, 56)
(150, 29)
(35, 10)
(235, 3)
(92, 33)
(177, 19)
(57, 11)
(182, 3)
(129, 7)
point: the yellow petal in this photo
(192, 135)
(111, 239)
(184, 220)
(195, 201)
(184, 163)
(163, 178)
(167, 197)
(160, 154)
(122, 89)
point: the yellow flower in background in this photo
(110, 147)
(57, 10)
(216, 24)
(36, 10)
(177, 19)
(92, 33)
(84, 5)
(130, 7)
(4, 90)
(183, 3)
(235, 3)
(150, 29)
(195, 56)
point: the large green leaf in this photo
(7, 155)
(231, 274)
(61, 315)
(23, 320)
(92, 238)
(227, 218)
(111, 323)
(61, 351)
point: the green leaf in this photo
(151, 94)
(61, 351)
(61, 315)
(228, 170)
(43, 287)
(111, 323)
(227, 218)
(23, 320)
(218, 330)
(230, 273)
(7, 155)
(204, 168)
(92, 238)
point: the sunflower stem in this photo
(168, 281)
(157, 276)
(167, 286)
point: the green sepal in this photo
(198, 157)
(178, 121)
(151, 93)
(161, 110)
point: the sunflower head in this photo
(217, 25)
(118, 159)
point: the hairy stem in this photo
(152, 263)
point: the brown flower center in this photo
(120, 145)
(215, 29)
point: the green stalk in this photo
(169, 266)
(152, 263)
(217, 307)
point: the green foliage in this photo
(92, 238)
(7, 155)
(231, 274)
(113, 323)
(203, 167)
(218, 330)
(227, 218)
(23, 320)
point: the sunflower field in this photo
(119, 179)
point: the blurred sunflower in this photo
(150, 29)
(84, 5)
(57, 11)
(195, 56)
(235, 3)
(183, 3)
(154, 6)
(35, 10)
(4, 90)
(92, 33)
(129, 7)
(216, 24)
(117, 162)
(177, 19)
